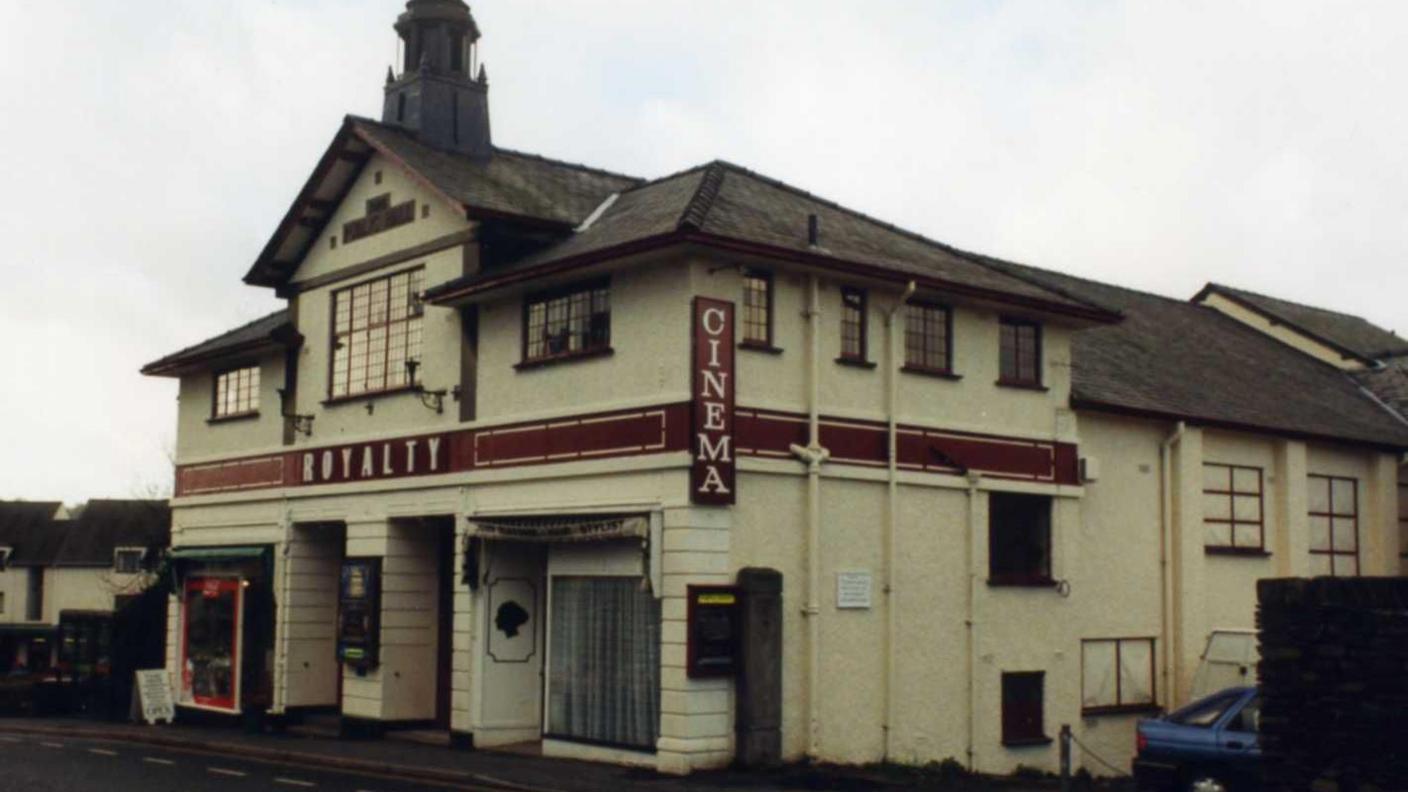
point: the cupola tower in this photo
(442, 92)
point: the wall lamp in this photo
(302, 424)
(432, 399)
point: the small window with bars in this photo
(377, 327)
(1233, 518)
(1334, 525)
(236, 393)
(853, 322)
(1117, 675)
(128, 560)
(568, 323)
(928, 338)
(1020, 353)
(757, 308)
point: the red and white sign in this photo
(414, 456)
(712, 474)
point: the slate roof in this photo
(1342, 331)
(102, 526)
(264, 332)
(724, 203)
(1388, 383)
(29, 528)
(1181, 360)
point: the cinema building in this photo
(542, 453)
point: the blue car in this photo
(1208, 746)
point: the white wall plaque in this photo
(853, 590)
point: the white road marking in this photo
(102, 752)
(222, 771)
(52, 745)
(294, 782)
(11, 739)
(154, 760)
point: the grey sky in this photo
(151, 147)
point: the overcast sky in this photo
(151, 147)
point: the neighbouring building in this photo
(63, 573)
(522, 423)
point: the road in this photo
(45, 764)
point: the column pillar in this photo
(1290, 542)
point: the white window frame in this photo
(117, 554)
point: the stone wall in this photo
(1334, 679)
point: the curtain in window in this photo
(604, 683)
(1098, 667)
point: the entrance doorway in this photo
(511, 607)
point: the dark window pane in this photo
(1019, 533)
(1022, 715)
(853, 324)
(926, 341)
(1019, 358)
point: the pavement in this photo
(195, 754)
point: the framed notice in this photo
(853, 590)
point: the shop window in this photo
(1117, 675)
(1019, 539)
(34, 602)
(128, 560)
(567, 323)
(236, 393)
(604, 666)
(928, 339)
(1022, 715)
(377, 329)
(853, 320)
(1233, 518)
(211, 653)
(1334, 525)
(757, 309)
(1020, 353)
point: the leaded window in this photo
(236, 392)
(757, 308)
(1020, 355)
(928, 338)
(852, 324)
(1334, 525)
(377, 327)
(567, 323)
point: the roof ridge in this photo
(976, 258)
(1085, 279)
(697, 210)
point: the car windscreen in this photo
(1203, 713)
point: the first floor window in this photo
(237, 392)
(1232, 508)
(1116, 674)
(1019, 539)
(928, 337)
(128, 561)
(852, 324)
(566, 323)
(1020, 356)
(1334, 526)
(1022, 715)
(757, 308)
(376, 330)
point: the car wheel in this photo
(1203, 782)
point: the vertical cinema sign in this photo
(712, 476)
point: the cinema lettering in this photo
(416, 456)
(712, 474)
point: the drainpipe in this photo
(1166, 554)
(970, 605)
(814, 455)
(281, 616)
(892, 509)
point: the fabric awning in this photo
(562, 529)
(217, 553)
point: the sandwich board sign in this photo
(151, 697)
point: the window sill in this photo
(1019, 385)
(334, 401)
(943, 374)
(1250, 552)
(855, 363)
(224, 419)
(1121, 709)
(1012, 582)
(536, 363)
(759, 346)
(1027, 742)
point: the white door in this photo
(511, 638)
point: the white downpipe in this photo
(892, 510)
(970, 597)
(280, 703)
(1166, 556)
(814, 455)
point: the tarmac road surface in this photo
(55, 764)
